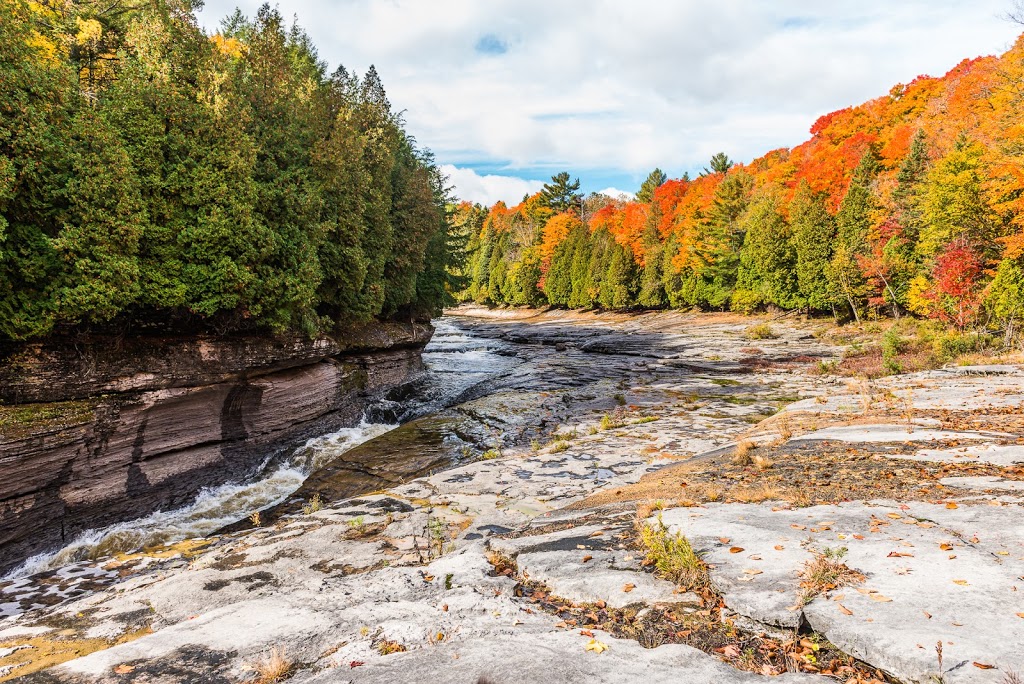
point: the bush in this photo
(950, 345)
(892, 345)
(761, 331)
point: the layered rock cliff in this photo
(96, 430)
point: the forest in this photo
(153, 176)
(911, 203)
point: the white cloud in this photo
(488, 189)
(627, 85)
(616, 193)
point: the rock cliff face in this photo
(100, 430)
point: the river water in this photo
(455, 362)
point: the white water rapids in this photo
(454, 361)
(213, 508)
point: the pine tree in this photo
(560, 194)
(654, 180)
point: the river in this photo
(456, 361)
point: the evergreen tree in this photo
(720, 163)
(618, 285)
(813, 235)
(560, 194)
(719, 249)
(654, 180)
(768, 260)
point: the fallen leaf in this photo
(894, 516)
(356, 663)
(983, 666)
(897, 554)
(779, 547)
(587, 558)
(586, 632)
(946, 547)
(953, 505)
(724, 540)
(736, 549)
(844, 609)
(962, 583)
(858, 536)
(600, 604)
(428, 578)
(628, 588)
(1020, 615)
(927, 614)
(124, 669)
(798, 527)
(752, 572)
(880, 598)
(595, 646)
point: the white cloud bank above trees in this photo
(524, 88)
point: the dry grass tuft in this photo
(762, 463)
(762, 492)
(646, 509)
(741, 454)
(827, 571)
(275, 666)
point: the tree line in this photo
(156, 177)
(908, 204)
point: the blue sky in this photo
(508, 92)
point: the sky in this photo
(509, 92)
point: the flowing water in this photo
(454, 363)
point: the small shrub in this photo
(610, 423)
(892, 346)
(437, 533)
(255, 519)
(761, 462)
(826, 367)
(760, 331)
(314, 504)
(672, 556)
(948, 346)
(490, 454)
(534, 445)
(560, 446)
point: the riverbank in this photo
(524, 563)
(95, 431)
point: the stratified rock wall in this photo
(115, 430)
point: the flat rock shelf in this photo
(519, 559)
